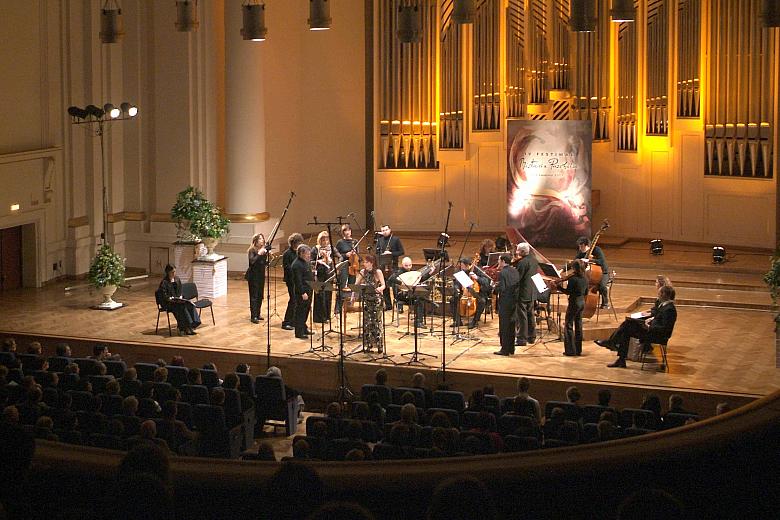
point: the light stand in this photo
(269, 244)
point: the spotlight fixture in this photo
(319, 15)
(582, 17)
(463, 11)
(623, 11)
(95, 114)
(112, 111)
(718, 254)
(111, 22)
(254, 22)
(770, 13)
(186, 15)
(128, 109)
(656, 247)
(408, 23)
(94, 111)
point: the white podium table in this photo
(210, 276)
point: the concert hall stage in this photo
(724, 341)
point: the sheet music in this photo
(463, 279)
(638, 315)
(539, 283)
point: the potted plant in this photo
(210, 225)
(189, 204)
(106, 272)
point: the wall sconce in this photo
(319, 15)
(623, 11)
(408, 23)
(187, 15)
(582, 16)
(770, 13)
(253, 28)
(463, 11)
(656, 247)
(111, 22)
(718, 255)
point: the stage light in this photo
(129, 110)
(112, 111)
(14, 207)
(186, 15)
(253, 28)
(718, 255)
(111, 22)
(463, 11)
(77, 113)
(770, 13)
(319, 15)
(94, 111)
(408, 24)
(623, 11)
(656, 247)
(581, 16)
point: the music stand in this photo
(322, 350)
(273, 264)
(415, 293)
(432, 254)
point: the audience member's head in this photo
(486, 421)
(652, 403)
(160, 362)
(318, 429)
(477, 399)
(217, 396)
(9, 345)
(606, 430)
(418, 380)
(355, 455)
(148, 429)
(353, 430)
(169, 410)
(265, 451)
(131, 374)
(145, 458)
(112, 387)
(333, 410)
(489, 390)
(287, 482)
(35, 348)
(651, 504)
(177, 361)
(675, 402)
(409, 414)
(11, 415)
(343, 510)
(242, 368)
(523, 385)
(722, 408)
(557, 415)
(380, 377)
(360, 411)
(100, 352)
(407, 397)
(101, 368)
(231, 381)
(273, 372)
(210, 366)
(301, 449)
(573, 394)
(64, 350)
(605, 396)
(461, 498)
(194, 377)
(439, 419)
(130, 405)
(160, 375)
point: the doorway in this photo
(11, 258)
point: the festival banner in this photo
(549, 180)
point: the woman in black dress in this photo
(255, 275)
(372, 303)
(576, 288)
(169, 297)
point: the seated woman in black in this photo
(169, 296)
(657, 329)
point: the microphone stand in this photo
(269, 246)
(442, 279)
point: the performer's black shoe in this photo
(520, 343)
(619, 363)
(287, 326)
(310, 333)
(603, 343)
(191, 332)
(605, 306)
(302, 337)
(568, 354)
(255, 320)
(502, 353)
(532, 339)
(260, 318)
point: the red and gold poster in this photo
(549, 180)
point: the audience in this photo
(524, 403)
(461, 498)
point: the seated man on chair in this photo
(170, 295)
(657, 329)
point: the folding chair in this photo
(190, 291)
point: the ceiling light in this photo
(187, 15)
(111, 22)
(581, 16)
(319, 15)
(408, 23)
(463, 11)
(254, 22)
(623, 11)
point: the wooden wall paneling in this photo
(661, 193)
(490, 192)
(690, 186)
(737, 218)
(631, 192)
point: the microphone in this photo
(350, 214)
(292, 194)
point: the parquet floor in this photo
(720, 343)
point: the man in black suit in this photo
(289, 256)
(598, 258)
(657, 329)
(302, 277)
(508, 279)
(388, 250)
(526, 267)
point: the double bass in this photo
(594, 273)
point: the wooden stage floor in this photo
(724, 341)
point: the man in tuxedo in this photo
(598, 258)
(388, 250)
(526, 267)
(302, 277)
(289, 256)
(657, 329)
(508, 278)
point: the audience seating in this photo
(145, 371)
(99, 383)
(115, 368)
(673, 420)
(216, 439)
(195, 394)
(384, 392)
(87, 367)
(591, 413)
(571, 411)
(419, 395)
(177, 376)
(449, 400)
(272, 404)
(56, 363)
(210, 378)
(627, 418)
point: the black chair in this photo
(664, 366)
(131, 424)
(216, 439)
(453, 415)
(81, 401)
(177, 375)
(87, 367)
(384, 392)
(247, 384)
(145, 371)
(109, 442)
(450, 400)
(572, 412)
(99, 383)
(8, 359)
(509, 423)
(590, 432)
(419, 395)
(235, 414)
(627, 418)
(29, 362)
(476, 443)
(514, 443)
(673, 420)
(159, 298)
(163, 392)
(56, 363)
(195, 394)
(274, 405)
(190, 291)
(492, 404)
(110, 404)
(393, 413)
(129, 388)
(210, 378)
(633, 432)
(115, 368)
(591, 413)
(333, 425)
(184, 413)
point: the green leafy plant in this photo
(772, 277)
(107, 268)
(196, 217)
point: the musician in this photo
(526, 266)
(657, 329)
(480, 297)
(323, 267)
(293, 241)
(391, 249)
(610, 343)
(576, 289)
(487, 247)
(508, 279)
(302, 275)
(405, 297)
(346, 250)
(169, 296)
(255, 275)
(598, 258)
(372, 302)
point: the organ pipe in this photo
(657, 66)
